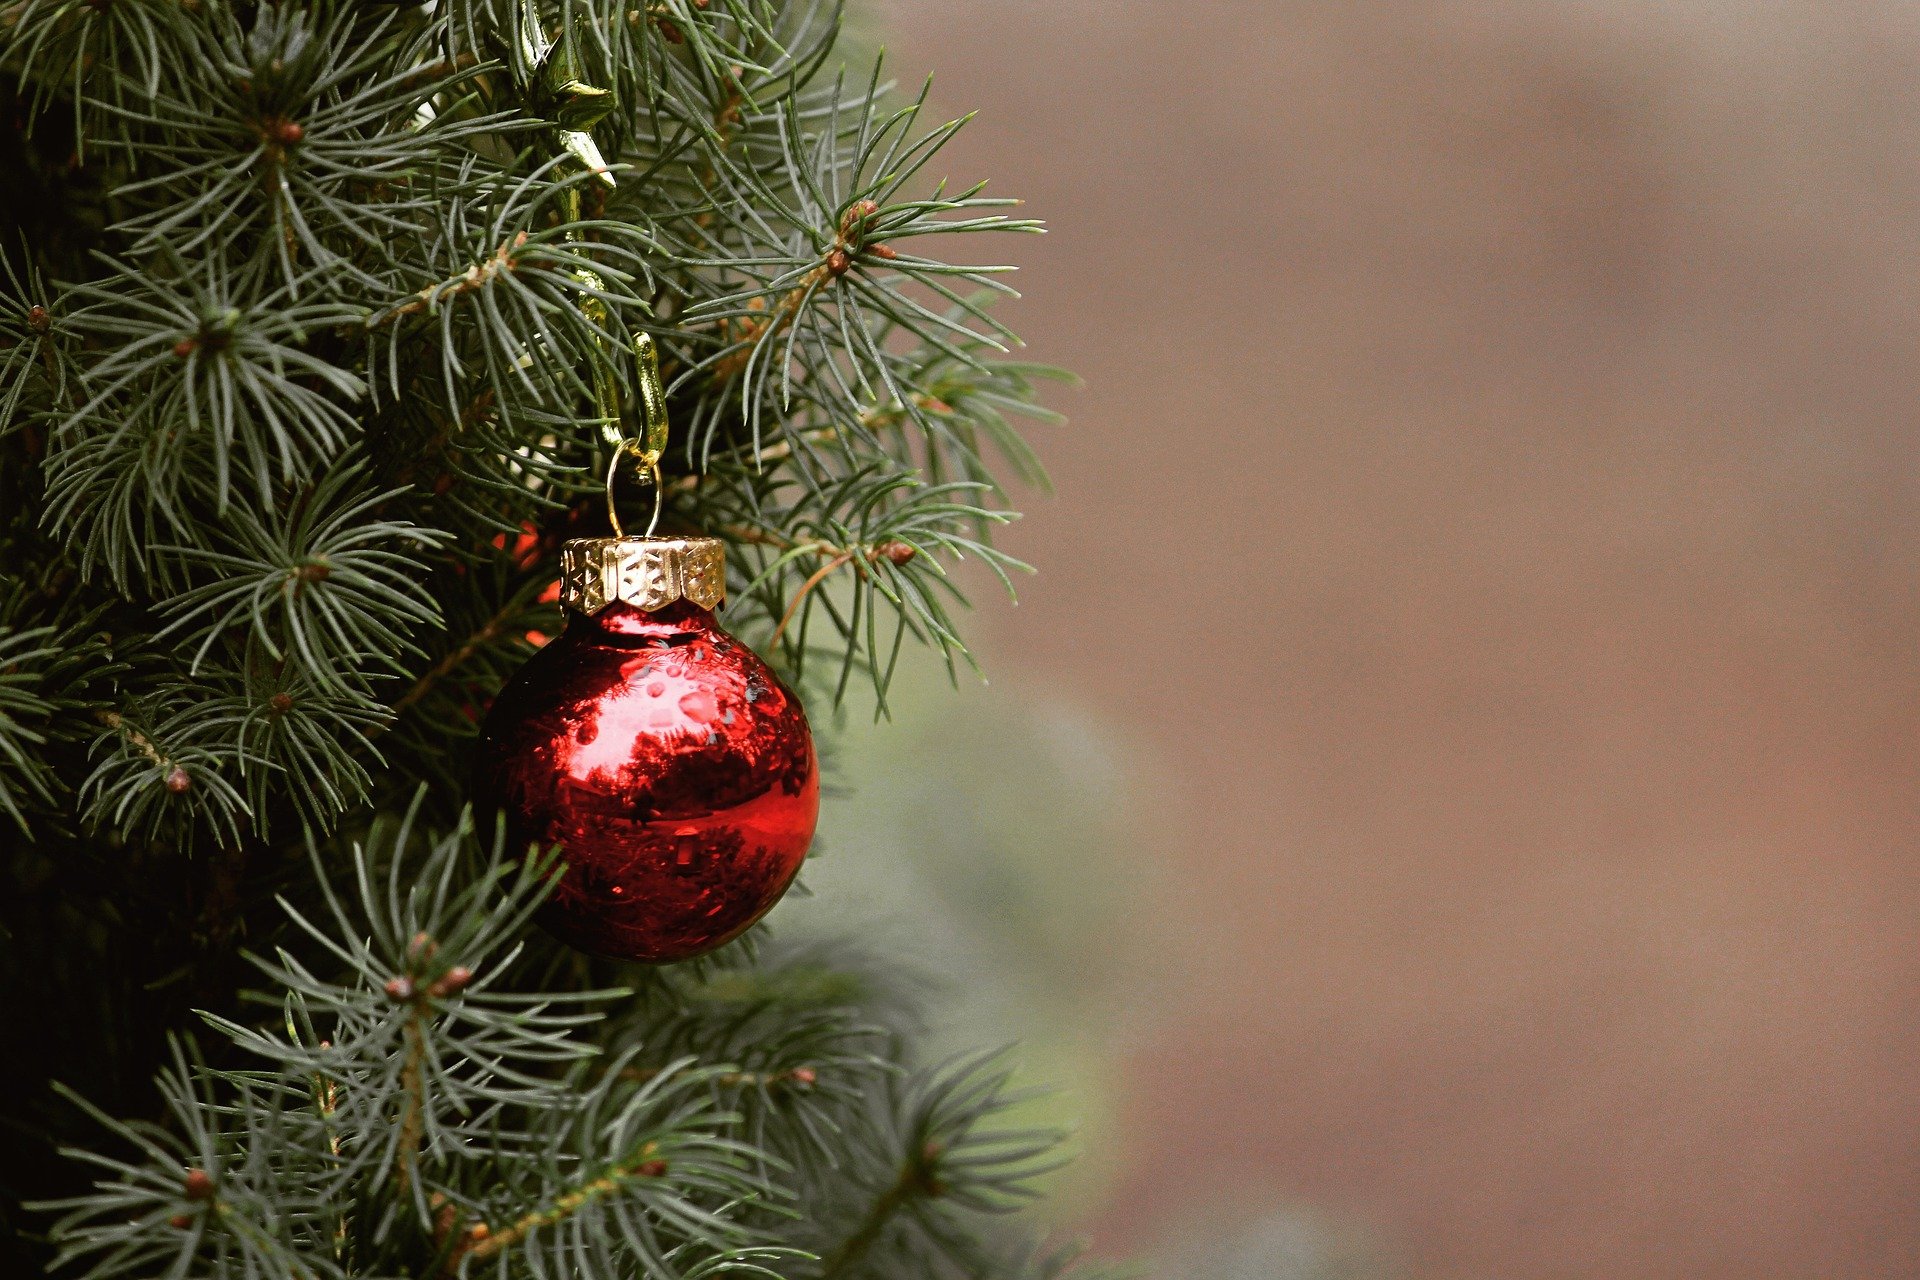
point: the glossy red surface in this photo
(673, 769)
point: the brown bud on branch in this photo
(855, 212)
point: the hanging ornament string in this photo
(652, 443)
(571, 107)
(610, 413)
(611, 416)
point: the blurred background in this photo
(1446, 808)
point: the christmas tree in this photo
(323, 326)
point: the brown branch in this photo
(848, 242)
(477, 276)
(799, 597)
(438, 671)
(412, 1079)
(876, 418)
(139, 741)
(758, 538)
(177, 778)
(326, 1101)
(484, 1243)
(860, 556)
(753, 332)
(918, 1177)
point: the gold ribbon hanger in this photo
(652, 443)
(571, 107)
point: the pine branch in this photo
(412, 1087)
(477, 276)
(457, 658)
(916, 1180)
(283, 467)
(612, 1183)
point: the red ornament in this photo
(673, 769)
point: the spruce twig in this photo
(310, 330)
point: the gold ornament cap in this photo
(647, 573)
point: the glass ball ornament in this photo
(671, 767)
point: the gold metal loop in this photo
(653, 442)
(650, 468)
